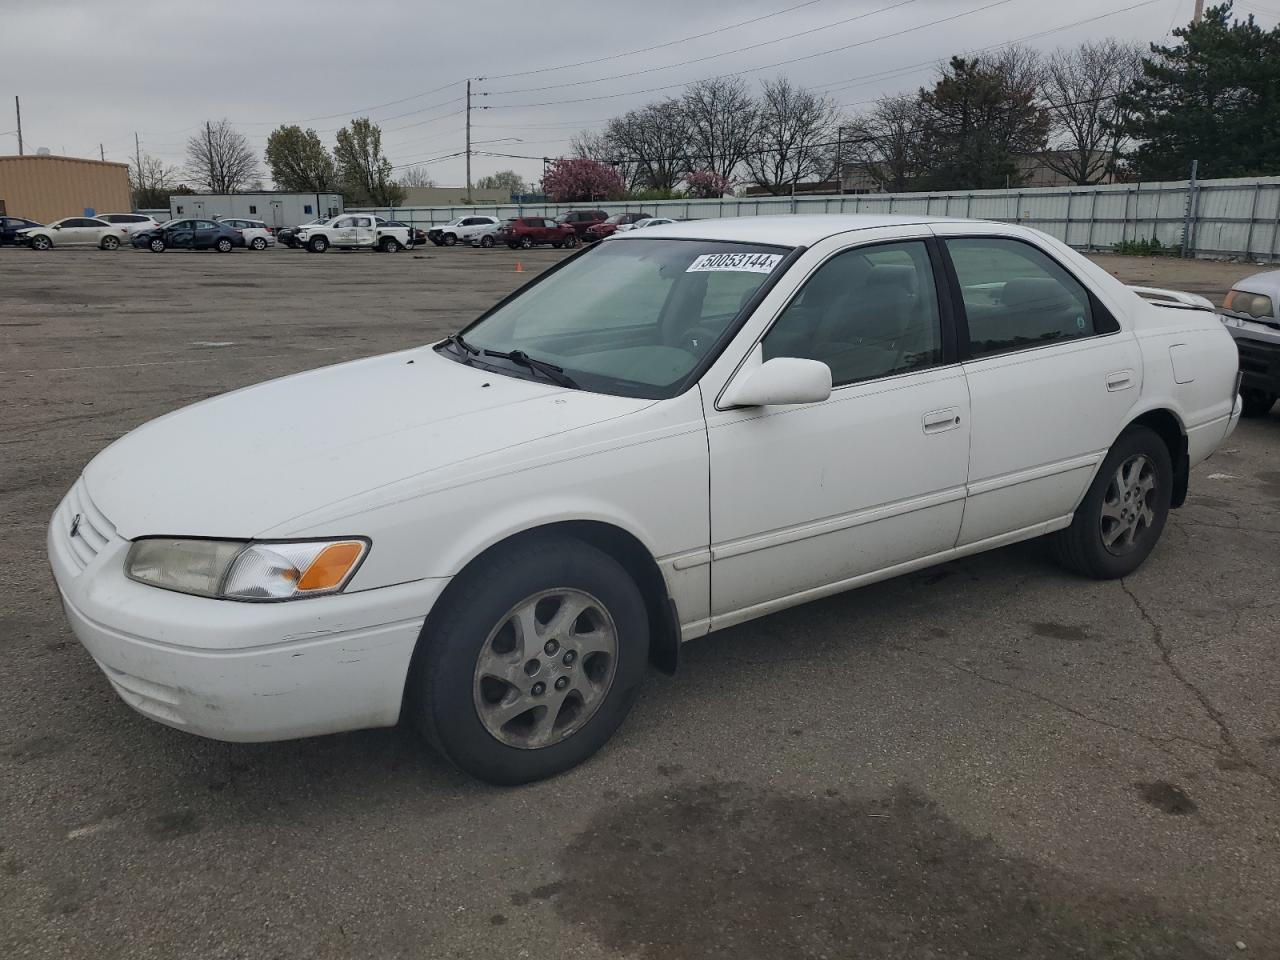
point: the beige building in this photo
(46, 188)
(451, 196)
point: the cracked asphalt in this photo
(990, 758)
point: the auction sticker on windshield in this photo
(747, 262)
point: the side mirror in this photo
(57, 226)
(782, 380)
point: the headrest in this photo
(1035, 293)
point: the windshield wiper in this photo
(549, 370)
(463, 347)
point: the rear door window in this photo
(1016, 297)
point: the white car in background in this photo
(132, 222)
(75, 232)
(462, 230)
(486, 236)
(682, 429)
(647, 222)
(257, 235)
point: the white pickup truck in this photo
(354, 231)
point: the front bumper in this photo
(232, 670)
(1259, 357)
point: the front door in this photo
(807, 499)
(1052, 378)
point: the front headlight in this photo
(237, 570)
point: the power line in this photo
(659, 46)
(713, 56)
(767, 66)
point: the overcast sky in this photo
(90, 71)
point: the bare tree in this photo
(595, 145)
(794, 139)
(151, 181)
(414, 177)
(885, 142)
(655, 139)
(721, 119)
(220, 159)
(1082, 87)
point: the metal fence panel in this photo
(1237, 217)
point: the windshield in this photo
(632, 318)
(616, 218)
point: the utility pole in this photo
(468, 141)
(1199, 14)
(137, 158)
(17, 106)
(101, 153)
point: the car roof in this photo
(792, 230)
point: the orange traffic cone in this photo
(519, 267)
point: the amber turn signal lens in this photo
(332, 565)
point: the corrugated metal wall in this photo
(49, 188)
(1229, 218)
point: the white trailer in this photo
(275, 209)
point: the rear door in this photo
(363, 234)
(206, 234)
(1051, 374)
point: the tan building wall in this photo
(48, 188)
(451, 196)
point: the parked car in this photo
(647, 222)
(132, 222)
(582, 220)
(289, 235)
(690, 427)
(257, 235)
(1251, 314)
(72, 232)
(486, 236)
(533, 231)
(417, 236)
(9, 227)
(190, 235)
(355, 231)
(460, 229)
(610, 226)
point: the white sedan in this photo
(75, 232)
(646, 222)
(682, 429)
(257, 235)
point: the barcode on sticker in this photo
(748, 262)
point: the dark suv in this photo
(601, 230)
(530, 231)
(582, 220)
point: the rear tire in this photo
(589, 668)
(1256, 403)
(486, 241)
(258, 243)
(526, 243)
(571, 241)
(223, 245)
(390, 245)
(110, 243)
(1119, 522)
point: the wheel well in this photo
(1166, 424)
(664, 623)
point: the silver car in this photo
(1251, 314)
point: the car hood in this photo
(239, 464)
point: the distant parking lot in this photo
(987, 758)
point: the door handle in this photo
(939, 421)
(1119, 380)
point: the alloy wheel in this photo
(545, 668)
(1127, 504)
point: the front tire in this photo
(526, 242)
(1256, 403)
(318, 245)
(449, 239)
(531, 661)
(571, 241)
(41, 243)
(1122, 515)
(156, 245)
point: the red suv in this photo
(601, 230)
(582, 220)
(530, 231)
